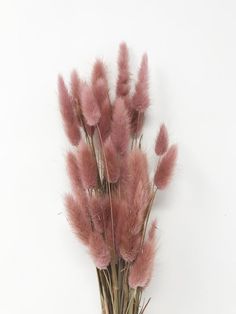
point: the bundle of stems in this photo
(112, 194)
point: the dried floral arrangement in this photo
(112, 194)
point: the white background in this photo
(192, 57)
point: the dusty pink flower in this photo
(73, 171)
(128, 242)
(138, 171)
(141, 270)
(120, 127)
(99, 250)
(99, 72)
(140, 100)
(100, 91)
(162, 141)
(165, 168)
(67, 111)
(111, 162)
(87, 166)
(137, 121)
(99, 208)
(75, 86)
(123, 81)
(105, 120)
(90, 106)
(78, 219)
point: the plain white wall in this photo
(192, 56)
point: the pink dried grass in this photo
(68, 114)
(120, 127)
(165, 168)
(141, 270)
(75, 86)
(99, 250)
(123, 81)
(112, 193)
(140, 100)
(78, 218)
(73, 171)
(112, 168)
(162, 141)
(87, 166)
(90, 106)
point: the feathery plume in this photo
(128, 242)
(73, 171)
(137, 122)
(87, 166)
(100, 91)
(140, 100)
(78, 219)
(67, 111)
(112, 165)
(90, 106)
(99, 72)
(105, 120)
(165, 168)
(75, 85)
(99, 208)
(162, 141)
(99, 250)
(138, 168)
(123, 82)
(120, 128)
(141, 270)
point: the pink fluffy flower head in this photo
(99, 250)
(140, 100)
(75, 85)
(73, 171)
(87, 166)
(78, 219)
(112, 164)
(165, 168)
(120, 127)
(99, 72)
(162, 141)
(67, 111)
(123, 81)
(141, 269)
(90, 106)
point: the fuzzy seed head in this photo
(165, 168)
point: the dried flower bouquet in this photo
(112, 194)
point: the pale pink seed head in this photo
(67, 111)
(98, 213)
(78, 219)
(111, 162)
(123, 81)
(75, 85)
(100, 91)
(90, 108)
(120, 127)
(162, 141)
(142, 268)
(105, 120)
(140, 100)
(137, 121)
(73, 171)
(138, 169)
(87, 166)
(165, 168)
(99, 250)
(99, 72)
